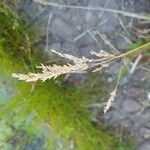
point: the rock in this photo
(95, 3)
(142, 6)
(88, 16)
(29, 7)
(117, 116)
(145, 132)
(77, 17)
(140, 119)
(103, 3)
(55, 46)
(112, 21)
(110, 80)
(61, 29)
(113, 69)
(75, 78)
(144, 145)
(70, 48)
(34, 12)
(70, 2)
(120, 42)
(85, 51)
(146, 114)
(124, 81)
(131, 106)
(91, 20)
(110, 25)
(126, 123)
(148, 95)
(147, 124)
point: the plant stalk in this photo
(136, 50)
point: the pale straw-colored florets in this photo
(79, 64)
(110, 101)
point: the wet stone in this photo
(84, 41)
(142, 6)
(103, 3)
(139, 120)
(147, 124)
(120, 42)
(78, 18)
(110, 25)
(144, 145)
(70, 48)
(85, 51)
(148, 95)
(145, 132)
(61, 29)
(33, 11)
(126, 123)
(55, 46)
(117, 116)
(75, 78)
(131, 106)
(113, 69)
(69, 2)
(90, 20)
(88, 16)
(146, 114)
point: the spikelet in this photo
(80, 64)
(102, 53)
(110, 101)
(49, 72)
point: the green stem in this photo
(131, 52)
(136, 50)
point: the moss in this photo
(50, 111)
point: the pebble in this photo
(145, 132)
(144, 145)
(110, 80)
(110, 25)
(75, 78)
(142, 6)
(88, 16)
(85, 51)
(146, 113)
(131, 106)
(61, 29)
(55, 46)
(120, 42)
(70, 2)
(148, 95)
(147, 124)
